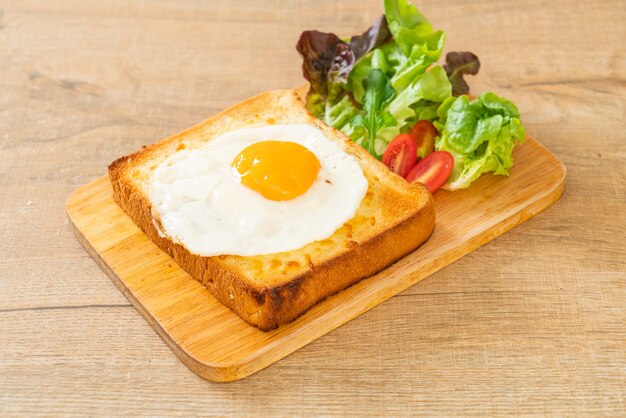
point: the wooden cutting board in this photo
(218, 345)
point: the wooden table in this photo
(532, 323)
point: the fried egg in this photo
(255, 191)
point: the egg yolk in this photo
(277, 170)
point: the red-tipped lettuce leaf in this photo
(459, 64)
(375, 36)
(328, 61)
(318, 53)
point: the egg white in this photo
(201, 204)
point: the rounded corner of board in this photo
(558, 185)
(78, 194)
(217, 373)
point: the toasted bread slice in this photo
(393, 219)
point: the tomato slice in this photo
(432, 171)
(400, 155)
(425, 133)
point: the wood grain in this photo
(533, 323)
(218, 345)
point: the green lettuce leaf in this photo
(480, 134)
(418, 101)
(432, 85)
(415, 47)
(341, 113)
(424, 110)
(409, 28)
(378, 93)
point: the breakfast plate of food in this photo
(277, 220)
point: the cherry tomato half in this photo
(425, 133)
(400, 155)
(432, 171)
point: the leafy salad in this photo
(384, 90)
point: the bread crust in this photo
(393, 220)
